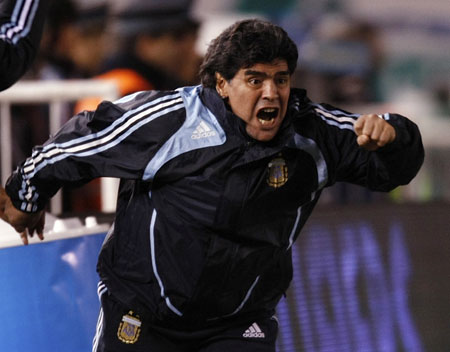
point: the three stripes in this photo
(21, 21)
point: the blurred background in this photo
(390, 291)
(358, 55)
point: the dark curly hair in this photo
(244, 44)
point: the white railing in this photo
(55, 94)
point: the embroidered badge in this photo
(129, 328)
(277, 173)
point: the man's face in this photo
(259, 95)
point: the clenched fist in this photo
(373, 132)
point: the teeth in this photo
(266, 116)
(265, 122)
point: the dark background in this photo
(370, 278)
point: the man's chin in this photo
(262, 135)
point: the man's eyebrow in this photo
(259, 73)
(254, 73)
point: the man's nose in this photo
(270, 90)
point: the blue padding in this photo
(48, 295)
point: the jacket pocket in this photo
(229, 278)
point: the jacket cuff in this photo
(23, 194)
(403, 136)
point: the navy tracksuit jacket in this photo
(206, 216)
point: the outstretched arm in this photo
(377, 152)
(24, 223)
(116, 140)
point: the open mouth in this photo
(267, 115)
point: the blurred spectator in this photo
(89, 40)
(74, 43)
(343, 58)
(73, 46)
(154, 47)
(155, 42)
(21, 25)
(341, 63)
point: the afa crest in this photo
(277, 173)
(129, 328)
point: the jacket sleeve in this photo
(21, 26)
(394, 165)
(115, 140)
(382, 170)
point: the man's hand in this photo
(24, 223)
(373, 132)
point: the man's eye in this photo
(254, 81)
(282, 81)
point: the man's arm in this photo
(383, 152)
(379, 152)
(116, 140)
(21, 26)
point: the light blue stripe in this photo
(97, 135)
(310, 147)
(44, 162)
(14, 16)
(336, 111)
(17, 8)
(14, 24)
(98, 330)
(247, 296)
(341, 125)
(110, 128)
(155, 270)
(109, 145)
(294, 228)
(182, 141)
(297, 219)
(126, 98)
(28, 23)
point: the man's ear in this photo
(221, 85)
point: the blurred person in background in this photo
(21, 31)
(21, 26)
(74, 44)
(217, 181)
(152, 47)
(341, 62)
(343, 57)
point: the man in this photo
(217, 182)
(21, 25)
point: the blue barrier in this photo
(49, 295)
(365, 278)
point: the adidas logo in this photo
(202, 131)
(254, 331)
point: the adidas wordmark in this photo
(202, 131)
(254, 331)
